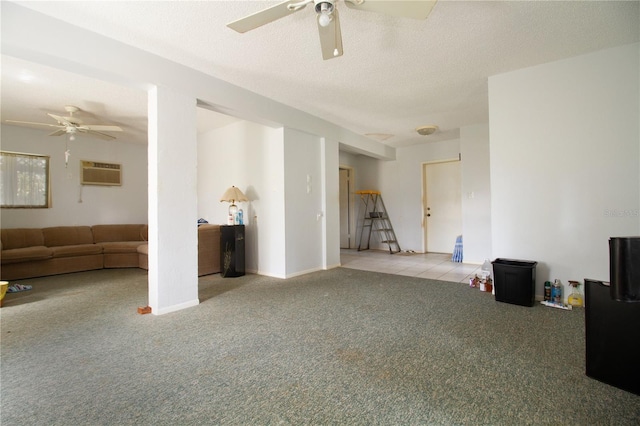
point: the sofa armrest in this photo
(208, 249)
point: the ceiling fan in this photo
(327, 17)
(72, 125)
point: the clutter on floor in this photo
(16, 288)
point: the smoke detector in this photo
(426, 130)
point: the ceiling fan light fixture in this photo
(426, 130)
(324, 9)
(324, 19)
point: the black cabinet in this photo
(612, 336)
(232, 250)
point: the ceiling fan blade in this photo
(59, 132)
(62, 120)
(100, 128)
(97, 134)
(265, 16)
(416, 9)
(30, 123)
(331, 37)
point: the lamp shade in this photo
(232, 195)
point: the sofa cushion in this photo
(15, 238)
(114, 233)
(121, 246)
(26, 254)
(76, 250)
(143, 256)
(67, 236)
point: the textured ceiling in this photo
(396, 74)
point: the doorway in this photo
(442, 205)
(346, 209)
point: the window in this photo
(24, 180)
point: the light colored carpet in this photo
(333, 347)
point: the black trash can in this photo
(624, 268)
(514, 281)
(611, 338)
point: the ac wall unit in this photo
(105, 174)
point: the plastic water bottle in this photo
(556, 292)
(485, 270)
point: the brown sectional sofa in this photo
(208, 251)
(120, 243)
(36, 252)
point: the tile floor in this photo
(424, 265)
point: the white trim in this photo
(175, 308)
(335, 265)
(308, 271)
(268, 274)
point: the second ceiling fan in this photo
(72, 125)
(328, 20)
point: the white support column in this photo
(330, 165)
(173, 239)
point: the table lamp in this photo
(232, 195)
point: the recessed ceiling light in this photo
(426, 130)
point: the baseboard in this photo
(308, 271)
(174, 308)
(296, 274)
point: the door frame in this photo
(351, 223)
(423, 207)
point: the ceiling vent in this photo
(379, 136)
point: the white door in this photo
(345, 208)
(442, 205)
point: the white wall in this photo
(365, 176)
(74, 204)
(400, 183)
(476, 193)
(172, 198)
(330, 199)
(291, 180)
(251, 157)
(565, 174)
(368, 173)
(401, 187)
(303, 202)
(347, 159)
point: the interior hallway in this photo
(422, 265)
